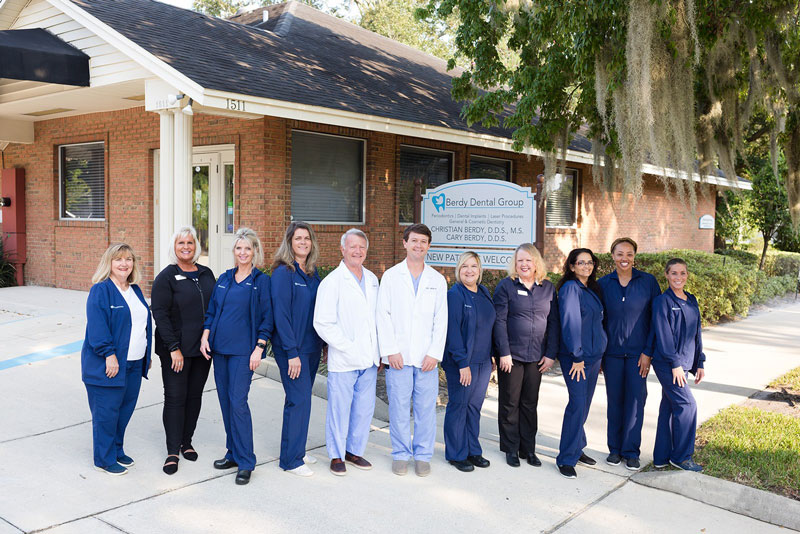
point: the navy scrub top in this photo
(678, 331)
(628, 312)
(234, 319)
(582, 334)
(294, 294)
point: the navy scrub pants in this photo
(233, 377)
(112, 408)
(677, 419)
(296, 407)
(626, 391)
(462, 418)
(573, 437)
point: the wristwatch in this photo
(261, 345)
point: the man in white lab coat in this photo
(412, 328)
(344, 316)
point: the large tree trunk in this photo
(791, 149)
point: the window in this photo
(327, 178)
(228, 168)
(562, 201)
(82, 181)
(489, 168)
(433, 167)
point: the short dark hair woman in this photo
(238, 325)
(679, 350)
(296, 345)
(179, 301)
(526, 337)
(583, 342)
(115, 354)
(467, 363)
(628, 294)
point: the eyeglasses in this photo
(584, 263)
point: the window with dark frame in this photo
(433, 167)
(82, 181)
(489, 168)
(327, 178)
(561, 205)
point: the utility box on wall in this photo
(12, 191)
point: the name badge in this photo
(522, 292)
(180, 277)
(467, 306)
(116, 307)
(676, 309)
(299, 284)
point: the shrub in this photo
(8, 273)
(770, 287)
(747, 258)
(779, 263)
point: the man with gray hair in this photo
(344, 316)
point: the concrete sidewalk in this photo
(47, 481)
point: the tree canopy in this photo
(674, 83)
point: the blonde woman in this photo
(296, 345)
(526, 337)
(180, 297)
(115, 354)
(237, 326)
(467, 363)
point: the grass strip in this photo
(790, 381)
(752, 447)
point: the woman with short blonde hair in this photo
(180, 298)
(526, 341)
(115, 354)
(468, 255)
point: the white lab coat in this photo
(345, 318)
(412, 325)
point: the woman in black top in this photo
(526, 341)
(179, 301)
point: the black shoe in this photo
(189, 453)
(567, 471)
(224, 463)
(243, 477)
(633, 464)
(462, 465)
(534, 460)
(512, 459)
(170, 465)
(586, 460)
(478, 461)
(613, 459)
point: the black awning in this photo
(39, 56)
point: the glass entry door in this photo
(213, 202)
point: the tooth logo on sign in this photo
(438, 202)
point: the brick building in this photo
(282, 112)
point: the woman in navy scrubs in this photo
(180, 297)
(583, 342)
(296, 345)
(115, 354)
(678, 351)
(467, 363)
(238, 324)
(526, 339)
(628, 294)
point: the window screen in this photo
(327, 178)
(561, 202)
(82, 181)
(489, 168)
(433, 167)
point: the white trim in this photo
(363, 141)
(61, 177)
(132, 50)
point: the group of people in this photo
(407, 324)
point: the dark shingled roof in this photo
(299, 55)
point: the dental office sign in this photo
(478, 214)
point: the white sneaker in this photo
(301, 471)
(309, 460)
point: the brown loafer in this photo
(338, 468)
(357, 461)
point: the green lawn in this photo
(790, 381)
(752, 447)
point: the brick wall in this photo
(65, 253)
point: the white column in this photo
(182, 170)
(164, 226)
